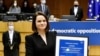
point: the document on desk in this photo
(71, 46)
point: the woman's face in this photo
(41, 22)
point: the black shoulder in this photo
(17, 31)
(29, 36)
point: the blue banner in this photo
(85, 28)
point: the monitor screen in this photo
(28, 16)
(68, 17)
(2, 15)
(9, 18)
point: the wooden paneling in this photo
(1, 54)
(57, 7)
(22, 47)
(94, 50)
(23, 26)
(3, 26)
(1, 46)
(61, 7)
(23, 36)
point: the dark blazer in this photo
(79, 15)
(47, 12)
(35, 46)
(25, 9)
(33, 9)
(15, 44)
(3, 9)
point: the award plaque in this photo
(71, 46)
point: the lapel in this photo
(73, 10)
(40, 7)
(41, 41)
(48, 38)
(14, 36)
(77, 10)
(44, 8)
(8, 36)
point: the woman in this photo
(42, 41)
(34, 8)
(25, 7)
(14, 8)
